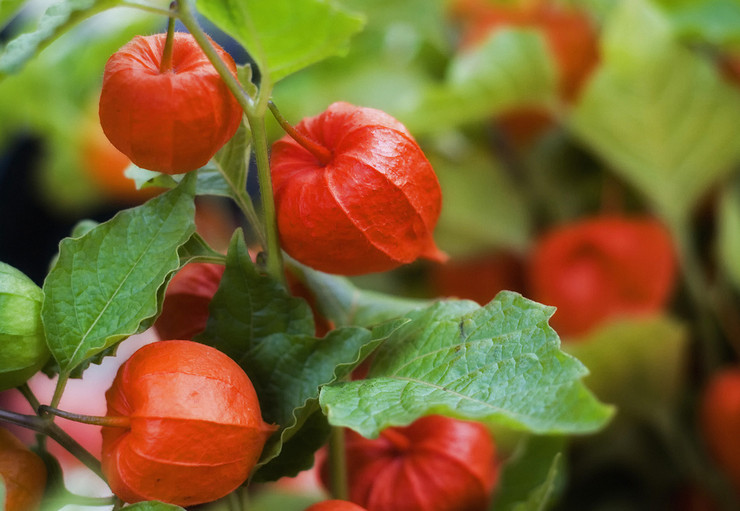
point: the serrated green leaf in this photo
(284, 36)
(196, 250)
(637, 364)
(270, 334)
(476, 190)
(532, 477)
(658, 113)
(56, 20)
(728, 233)
(499, 364)
(512, 68)
(107, 285)
(343, 303)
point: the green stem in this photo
(166, 64)
(186, 16)
(699, 293)
(146, 8)
(338, 464)
(274, 254)
(29, 395)
(321, 153)
(111, 422)
(59, 390)
(48, 428)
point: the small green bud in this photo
(23, 349)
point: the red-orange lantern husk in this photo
(23, 474)
(172, 121)
(196, 430)
(601, 268)
(435, 464)
(335, 505)
(372, 207)
(185, 307)
(720, 422)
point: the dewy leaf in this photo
(284, 36)
(499, 364)
(343, 303)
(55, 21)
(270, 334)
(106, 285)
(637, 364)
(657, 112)
(512, 68)
(533, 475)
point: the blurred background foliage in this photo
(627, 107)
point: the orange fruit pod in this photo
(172, 120)
(23, 473)
(435, 464)
(335, 505)
(366, 201)
(601, 268)
(189, 428)
(719, 417)
(185, 307)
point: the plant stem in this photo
(321, 153)
(166, 64)
(59, 390)
(186, 16)
(48, 428)
(338, 464)
(111, 422)
(145, 7)
(699, 293)
(29, 395)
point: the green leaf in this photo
(512, 68)
(284, 36)
(638, 364)
(197, 250)
(270, 334)
(713, 21)
(56, 20)
(532, 477)
(153, 505)
(499, 364)
(2, 493)
(343, 303)
(658, 113)
(107, 285)
(728, 235)
(8, 9)
(476, 190)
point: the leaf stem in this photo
(338, 464)
(166, 64)
(111, 422)
(321, 153)
(29, 395)
(145, 7)
(186, 16)
(59, 389)
(699, 293)
(48, 428)
(274, 254)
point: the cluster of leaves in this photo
(656, 115)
